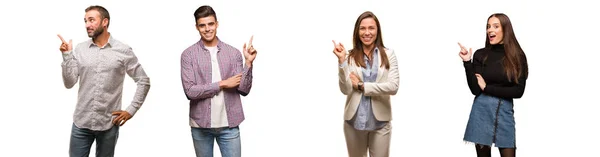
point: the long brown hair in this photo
(514, 56)
(357, 51)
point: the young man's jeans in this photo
(82, 139)
(227, 138)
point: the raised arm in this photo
(246, 78)
(472, 66)
(70, 71)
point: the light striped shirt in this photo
(100, 72)
(364, 119)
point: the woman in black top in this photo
(496, 75)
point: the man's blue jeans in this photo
(82, 139)
(227, 138)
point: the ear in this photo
(216, 24)
(196, 26)
(105, 22)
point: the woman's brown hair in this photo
(357, 51)
(514, 58)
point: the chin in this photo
(208, 38)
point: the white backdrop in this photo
(295, 107)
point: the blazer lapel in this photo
(380, 70)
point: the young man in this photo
(100, 65)
(213, 78)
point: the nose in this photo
(88, 24)
(369, 32)
(489, 30)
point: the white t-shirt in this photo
(218, 112)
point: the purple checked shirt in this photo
(196, 77)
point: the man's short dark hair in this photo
(103, 12)
(204, 11)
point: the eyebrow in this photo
(200, 24)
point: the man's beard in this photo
(96, 33)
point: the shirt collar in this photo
(110, 42)
(219, 44)
(375, 52)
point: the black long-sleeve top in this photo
(492, 71)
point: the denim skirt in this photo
(491, 122)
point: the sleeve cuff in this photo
(215, 87)
(247, 69)
(467, 63)
(131, 110)
(67, 55)
(344, 64)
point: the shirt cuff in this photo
(131, 110)
(344, 64)
(67, 55)
(466, 63)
